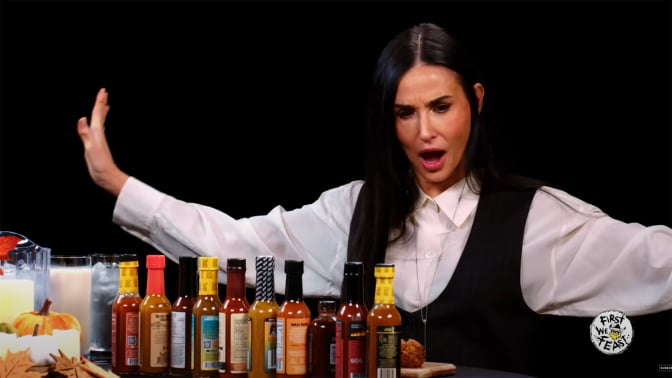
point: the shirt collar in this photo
(457, 199)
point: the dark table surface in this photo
(461, 371)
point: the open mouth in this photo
(432, 160)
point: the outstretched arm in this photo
(99, 161)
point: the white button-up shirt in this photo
(576, 260)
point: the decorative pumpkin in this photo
(43, 322)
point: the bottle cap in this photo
(156, 261)
(235, 264)
(353, 268)
(384, 270)
(293, 267)
(326, 305)
(208, 263)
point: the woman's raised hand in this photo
(102, 168)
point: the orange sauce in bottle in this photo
(154, 328)
(293, 321)
(126, 318)
(384, 327)
(205, 320)
(263, 317)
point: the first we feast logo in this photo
(611, 332)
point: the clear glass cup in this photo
(70, 291)
(104, 288)
(24, 276)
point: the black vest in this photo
(482, 320)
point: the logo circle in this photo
(611, 332)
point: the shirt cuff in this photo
(137, 205)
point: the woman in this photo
(484, 262)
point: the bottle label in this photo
(388, 353)
(292, 345)
(131, 350)
(178, 342)
(270, 343)
(238, 344)
(356, 345)
(158, 350)
(209, 347)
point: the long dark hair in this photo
(389, 192)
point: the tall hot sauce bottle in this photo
(205, 320)
(154, 326)
(351, 324)
(293, 322)
(180, 317)
(263, 315)
(126, 317)
(322, 341)
(234, 322)
(384, 324)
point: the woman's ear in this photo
(480, 92)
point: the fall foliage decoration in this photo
(71, 367)
(28, 322)
(18, 365)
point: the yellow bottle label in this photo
(384, 284)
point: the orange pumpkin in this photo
(43, 322)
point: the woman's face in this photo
(433, 123)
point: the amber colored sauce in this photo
(384, 327)
(293, 322)
(263, 338)
(125, 320)
(205, 318)
(155, 310)
(263, 315)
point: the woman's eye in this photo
(442, 108)
(404, 113)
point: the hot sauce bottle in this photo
(351, 324)
(234, 322)
(384, 323)
(322, 341)
(263, 315)
(205, 320)
(125, 318)
(154, 323)
(180, 317)
(293, 321)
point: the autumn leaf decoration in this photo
(7, 243)
(18, 365)
(72, 368)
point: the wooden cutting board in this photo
(429, 369)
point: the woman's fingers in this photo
(100, 109)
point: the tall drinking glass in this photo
(104, 288)
(24, 275)
(70, 291)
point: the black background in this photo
(246, 105)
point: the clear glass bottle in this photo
(234, 322)
(263, 317)
(384, 326)
(322, 341)
(180, 317)
(125, 318)
(351, 328)
(154, 326)
(205, 320)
